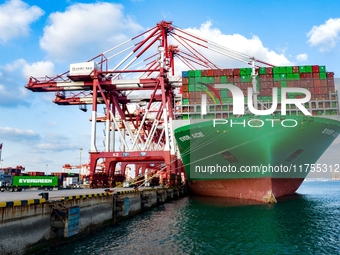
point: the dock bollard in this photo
(44, 195)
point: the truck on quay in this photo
(19, 183)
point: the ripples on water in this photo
(306, 223)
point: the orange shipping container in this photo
(317, 83)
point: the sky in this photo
(39, 38)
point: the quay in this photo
(33, 220)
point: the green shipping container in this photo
(309, 69)
(204, 79)
(210, 80)
(322, 69)
(262, 70)
(282, 69)
(224, 93)
(243, 71)
(283, 84)
(302, 69)
(323, 76)
(35, 181)
(296, 76)
(192, 81)
(276, 70)
(191, 88)
(290, 76)
(191, 73)
(277, 77)
(185, 101)
(198, 73)
(289, 69)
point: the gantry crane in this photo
(145, 79)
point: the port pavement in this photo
(53, 195)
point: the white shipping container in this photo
(84, 68)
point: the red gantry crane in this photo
(137, 93)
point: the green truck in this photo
(18, 183)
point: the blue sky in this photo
(39, 38)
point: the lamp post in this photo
(80, 150)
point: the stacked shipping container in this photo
(315, 78)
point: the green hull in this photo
(255, 147)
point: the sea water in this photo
(305, 223)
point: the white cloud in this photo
(15, 134)
(302, 57)
(13, 92)
(85, 30)
(251, 47)
(15, 19)
(326, 35)
(38, 69)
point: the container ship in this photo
(255, 156)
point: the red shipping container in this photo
(330, 82)
(297, 84)
(270, 84)
(210, 72)
(317, 90)
(324, 90)
(269, 77)
(270, 92)
(323, 83)
(230, 78)
(263, 77)
(237, 79)
(309, 75)
(303, 75)
(303, 84)
(311, 90)
(290, 84)
(315, 69)
(269, 70)
(295, 69)
(229, 72)
(329, 74)
(264, 85)
(310, 83)
(217, 72)
(236, 72)
(331, 89)
(277, 84)
(316, 75)
(217, 80)
(317, 83)
(185, 88)
(185, 94)
(185, 80)
(204, 73)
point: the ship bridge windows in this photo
(230, 157)
(294, 155)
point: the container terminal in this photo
(162, 121)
